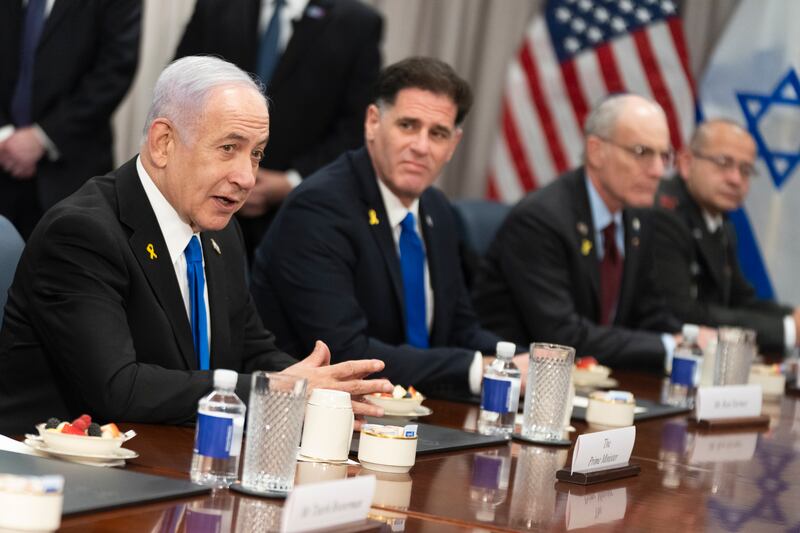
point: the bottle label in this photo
(684, 371)
(500, 395)
(218, 435)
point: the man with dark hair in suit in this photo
(64, 68)
(695, 242)
(572, 264)
(132, 289)
(365, 252)
(318, 60)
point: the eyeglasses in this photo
(727, 163)
(645, 155)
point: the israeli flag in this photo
(753, 78)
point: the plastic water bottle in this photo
(686, 363)
(218, 436)
(500, 393)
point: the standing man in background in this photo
(64, 68)
(318, 60)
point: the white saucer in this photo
(419, 411)
(116, 455)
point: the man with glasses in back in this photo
(572, 264)
(695, 242)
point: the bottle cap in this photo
(690, 332)
(506, 350)
(225, 379)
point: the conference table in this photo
(690, 480)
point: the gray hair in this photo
(602, 121)
(182, 88)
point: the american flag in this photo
(573, 55)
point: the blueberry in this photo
(52, 423)
(94, 430)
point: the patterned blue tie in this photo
(269, 49)
(32, 30)
(194, 271)
(412, 263)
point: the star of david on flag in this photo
(572, 56)
(752, 77)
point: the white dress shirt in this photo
(177, 235)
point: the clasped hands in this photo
(20, 152)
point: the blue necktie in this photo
(194, 271)
(269, 49)
(32, 30)
(412, 263)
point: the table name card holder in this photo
(718, 407)
(612, 447)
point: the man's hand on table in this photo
(347, 376)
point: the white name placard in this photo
(584, 510)
(328, 504)
(730, 401)
(725, 448)
(603, 450)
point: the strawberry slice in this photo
(70, 429)
(80, 423)
(87, 418)
(586, 362)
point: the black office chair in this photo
(11, 245)
(478, 222)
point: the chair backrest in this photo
(11, 245)
(478, 222)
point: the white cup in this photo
(328, 426)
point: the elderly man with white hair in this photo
(132, 290)
(572, 263)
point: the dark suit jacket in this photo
(699, 272)
(321, 86)
(537, 284)
(94, 325)
(324, 272)
(85, 63)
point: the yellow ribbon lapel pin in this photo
(151, 251)
(586, 246)
(373, 218)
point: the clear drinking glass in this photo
(547, 392)
(274, 420)
(736, 349)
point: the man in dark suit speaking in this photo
(364, 253)
(132, 289)
(572, 263)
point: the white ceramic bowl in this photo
(65, 442)
(396, 405)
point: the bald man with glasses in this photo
(695, 242)
(572, 263)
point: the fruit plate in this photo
(396, 405)
(115, 454)
(80, 444)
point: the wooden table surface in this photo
(691, 480)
